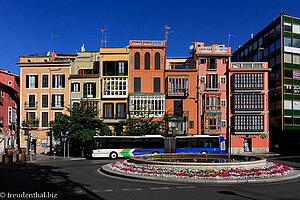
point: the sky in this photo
(26, 26)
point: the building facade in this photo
(211, 62)
(181, 94)
(9, 110)
(248, 107)
(279, 45)
(44, 95)
(147, 85)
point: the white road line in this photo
(161, 188)
(185, 187)
(107, 190)
(131, 189)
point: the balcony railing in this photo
(117, 116)
(30, 105)
(57, 105)
(88, 71)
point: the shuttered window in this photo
(147, 61)
(31, 81)
(157, 61)
(89, 90)
(137, 84)
(156, 85)
(58, 81)
(137, 60)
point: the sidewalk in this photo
(46, 158)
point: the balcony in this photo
(212, 123)
(178, 85)
(30, 105)
(88, 71)
(115, 87)
(57, 106)
(146, 43)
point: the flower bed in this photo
(270, 170)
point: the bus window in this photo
(192, 143)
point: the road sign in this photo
(13, 132)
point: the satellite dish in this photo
(191, 47)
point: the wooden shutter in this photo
(62, 100)
(53, 81)
(157, 61)
(178, 108)
(36, 79)
(27, 81)
(53, 100)
(63, 81)
(137, 60)
(147, 60)
(84, 90)
(156, 85)
(72, 87)
(137, 84)
(94, 89)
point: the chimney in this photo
(82, 48)
(53, 55)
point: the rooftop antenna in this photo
(103, 36)
(52, 35)
(167, 32)
(229, 39)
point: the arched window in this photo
(147, 60)
(157, 61)
(137, 60)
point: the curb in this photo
(294, 175)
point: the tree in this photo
(81, 125)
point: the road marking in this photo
(185, 187)
(78, 191)
(161, 188)
(131, 189)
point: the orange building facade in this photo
(147, 89)
(249, 107)
(181, 94)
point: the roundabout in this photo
(196, 168)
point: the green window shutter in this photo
(157, 61)
(156, 85)
(147, 61)
(137, 84)
(137, 60)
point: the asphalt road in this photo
(81, 180)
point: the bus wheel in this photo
(113, 155)
(203, 152)
(155, 152)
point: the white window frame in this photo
(42, 119)
(222, 77)
(78, 88)
(9, 82)
(58, 81)
(139, 105)
(223, 121)
(30, 81)
(56, 100)
(42, 101)
(35, 99)
(89, 89)
(48, 80)
(223, 100)
(200, 80)
(111, 87)
(2, 93)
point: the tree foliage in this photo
(81, 125)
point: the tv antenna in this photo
(229, 39)
(52, 35)
(103, 36)
(167, 32)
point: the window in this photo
(212, 81)
(223, 103)
(223, 79)
(45, 80)
(32, 102)
(277, 29)
(191, 124)
(57, 114)
(260, 42)
(115, 68)
(9, 83)
(202, 60)
(157, 61)
(248, 102)
(31, 81)
(137, 84)
(89, 90)
(287, 42)
(287, 27)
(45, 119)
(2, 93)
(296, 28)
(114, 87)
(212, 122)
(108, 111)
(58, 81)
(288, 57)
(147, 105)
(178, 84)
(179, 65)
(254, 45)
(58, 100)
(249, 123)
(288, 73)
(266, 51)
(178, 110)
(45, 100)
(212, 102)
(75, 87)
(248, 81)
(296, 43)
(156, 85)
(12, 115)
(147, 61)
(272, 47)
(121, 111)
(223, 124)
(211, 63)
(223, 61)
(296, 59)
(75, 104)
(137, 60)
(30, 115)
(278, 44)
